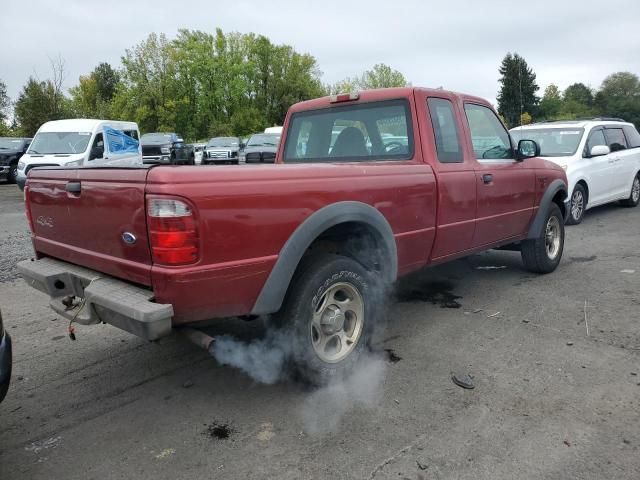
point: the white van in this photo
(81, 142)
(275, 130)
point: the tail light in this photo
(173, 232)
(27, 209)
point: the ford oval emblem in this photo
(129, 238)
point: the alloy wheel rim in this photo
(577, 204)
(337, 322)
(635, 190)
(552, 237)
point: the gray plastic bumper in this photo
(106, 299)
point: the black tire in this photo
(13, 173)
(577, 205)
(536, 253)
(634, 196)
(192, 160)
(318, 278)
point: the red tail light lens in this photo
(173, 232)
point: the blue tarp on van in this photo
(120, 142)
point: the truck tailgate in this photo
(94, 218)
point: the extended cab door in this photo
(505, 187)
(442, 144)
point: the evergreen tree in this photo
(517, 89)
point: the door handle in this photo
(487, 178)
(73, 187)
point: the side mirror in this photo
(527, 149)
(96, 152)
(599, 150)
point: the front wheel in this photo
(543, 254)
(577, 205)
(332, 309)
(634, 196)
(13, 173)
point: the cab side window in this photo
(489, 137)
(596, 137)
(445, 130)
(97, 148)
(615, 139)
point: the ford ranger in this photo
(366, 187)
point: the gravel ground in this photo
(555, 361)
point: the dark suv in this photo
(11, 149)
(261, 148)
(168, 148)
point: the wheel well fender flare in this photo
(275, 288)
(547, 198)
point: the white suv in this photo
(601, 157)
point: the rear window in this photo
(351, 133)
(633, 137)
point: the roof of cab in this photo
(82, 125)
(383, 94)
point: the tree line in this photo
(519, 103)
(198, 84)
(201, 85)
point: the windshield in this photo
(264, 141)
(554, 142)
(11, 143)
(223, 142)
(156, 138)
(63, 143)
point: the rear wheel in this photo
(634, 196)
(332, 309)
(543, 254)
(577, 205)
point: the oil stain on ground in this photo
(219, 431)
(437, 293)
(392, 356)
(584, 259)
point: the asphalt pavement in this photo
(555, 361)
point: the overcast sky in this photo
(454, 44)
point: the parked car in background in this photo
(81, 142)
(5, 360)
(11, 150)
(222, 150)
(261, 148)
(316, 240)
(166, 148)
(198, 151)
(601, 157)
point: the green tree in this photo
(579, 93)
(619, 96)
(148, 91)
(5, 104)
(380, 76)
(550, 103)
(517, 88)
(39, 102)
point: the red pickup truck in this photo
(366, 187)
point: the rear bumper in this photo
(106, 299)
(5, 364)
